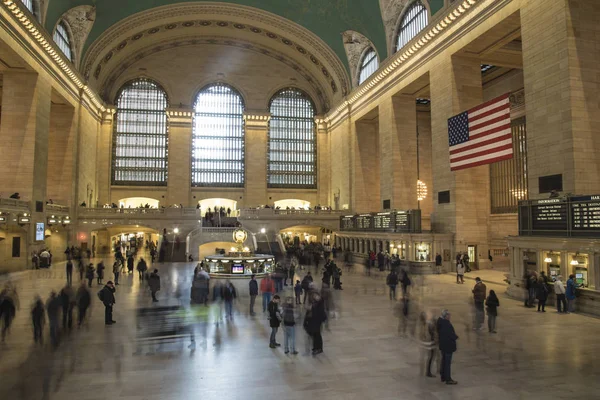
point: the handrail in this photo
(58, 208)
(14, 203)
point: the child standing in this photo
(289, 324)
(298, 291)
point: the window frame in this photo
(401, 27)
(148, 111)
(313, 141)
(369, 52)
(66, 41)
(195, 136)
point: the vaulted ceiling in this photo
(327, 19)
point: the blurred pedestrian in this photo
(38, 318)
(154, 284)
(427, 339)
(298, 291)
(541, 293)
(447, 344)
(100, 272)
(405, 283)
(571, 294)
(83, 299)
(8, 310)
(306, 281)
(392, 282)
(53, 307)
(253, 290)
(460, 273)
(479, 295)
(67, 301)
(141, 268)
(116, 269)
(69, 271)
(130, 262)
(289, 326)
(267, 288)
(229, 295)
(492, 303)
(315, 316)
(90, 274)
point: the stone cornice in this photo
(180, 117)
(257, 120)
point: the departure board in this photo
(382, 221)
(549, 215)
(347, 222)
(402, 224)
(585, 212)
(363, 221)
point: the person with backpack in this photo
(298, 291)
(492, 303)
(107, 297)
(289, 324)
(392, 282)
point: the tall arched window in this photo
(218, 137)
(140, 139)
(368, 65)
(61, 38)
(292, 159)
(30, 5)
(413, 21)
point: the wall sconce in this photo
(421, 190)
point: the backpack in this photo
(288, 316)
(101, 295)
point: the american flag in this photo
(481, 135)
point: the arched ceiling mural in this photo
(327, 19)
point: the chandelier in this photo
(421, 190)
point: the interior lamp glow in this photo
(421, 190)
(263, 230)
(574, 262)
(176, 230)
(547, 259)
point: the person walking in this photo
(154, 284)
(392, 282)
(405, 283)
(447, 344)
(274, 320)
(571, 294)
(228, 294)
(38, 318)
(69, 271)
(492, 303)
(107, 296)
(289, 326)
(130, 262)
(306, 281)
(83, 299)
(541, 293)
(116, 270)
(298, 291)
(427, 339)
(141, 268)
(460, 273)
(81, 268)
(53, 307)
(253, 290)
(100, 272)
(267, 288)
(559, 290)
(67, 301)
(90, 274)
(479, 295)
(315, 316)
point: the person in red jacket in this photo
(267, 288)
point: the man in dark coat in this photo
(38, 317)
(253, 289)
(107, 296)
(67, 301)
(274, 320)
(313, 320)
(447, 338)
(154, 284)
(479, 296)
(83, 299)
(53, 308)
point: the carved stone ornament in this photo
(355, 45)
(80, 20)
(390, 13)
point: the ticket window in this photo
(423, 252)
(552, 261)
(401, 250)
(579, 267)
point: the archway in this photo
(296, 204)
(218, 203)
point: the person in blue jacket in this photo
(570, 293)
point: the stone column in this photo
(179, 180)
(323, 163)
(398, 151)
(61, 154)
(456, 87)
(104, 169)
(257, 125)
(365, 173)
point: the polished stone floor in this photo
(533, 356)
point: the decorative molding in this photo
(257, 120)
(390, 14)
(112, 78)
(41, 37)
(80, 21)
(181, 117)
(186, 13)
(517, 104)
(355, 45)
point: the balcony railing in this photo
(138, 212)
(57, 209)
(15, 204)
(255, 212)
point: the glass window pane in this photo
(218, 138)
(140, 155)
(368, 66)
(61, 38)
(412, 23)
(292, 159)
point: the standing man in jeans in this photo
(559, 289)
(267, 287)
(479, 295)
(447, 337)
(253, 289)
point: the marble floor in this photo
(533, 356)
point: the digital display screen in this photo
(237, 269)
(579, 276)
(39, 231)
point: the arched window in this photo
(140, 139)
(30, 5)
(218, 137)
(413, 21)
(292, 159)
(368, 65)
(61, 38)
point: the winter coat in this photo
(559, 287)
(83, 298)
(460, 269)
(107, 295)
(541, 291)
(154, 282)
(571, 289)
(267, 286)
(274, 315)
(253, 287)
(228, 293)
(479, 292)
(298, 289)
(492, 305)
(315, 317)
(392, 280)
(447, 336)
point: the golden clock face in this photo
(239, 235)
